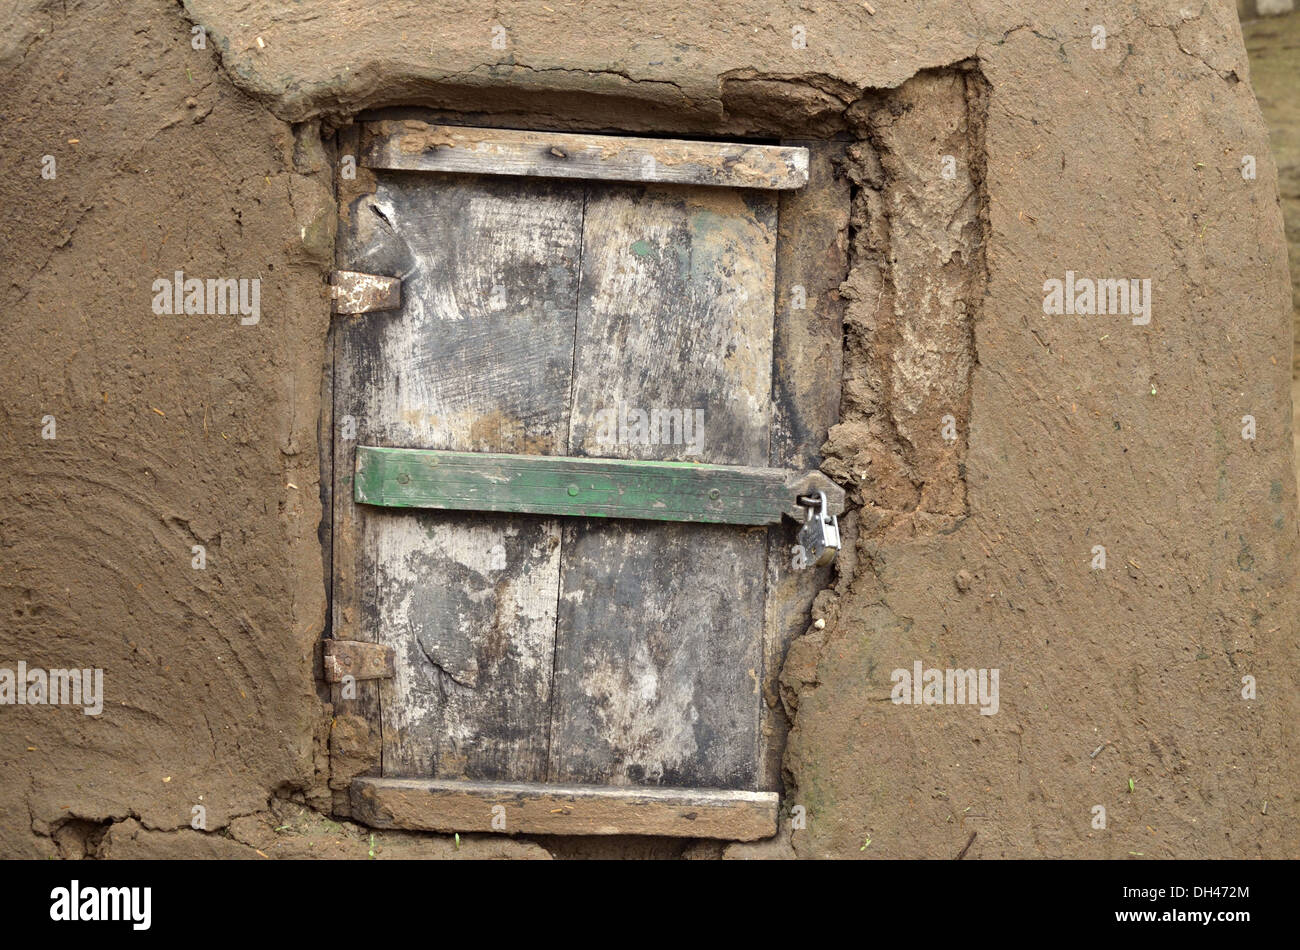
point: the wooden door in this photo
(536, 659)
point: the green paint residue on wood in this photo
(721, 244)
(642, 249)
(590, 488)
(705, 225)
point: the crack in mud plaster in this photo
(495, 67)
(1230, 76)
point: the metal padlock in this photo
(820, 535)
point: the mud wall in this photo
(1112, 155)
(1273, 45)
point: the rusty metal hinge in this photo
(356, 658)
(355, 292)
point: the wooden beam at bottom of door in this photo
(535, 808)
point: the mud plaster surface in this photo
(1077, 430)
(1273, 45)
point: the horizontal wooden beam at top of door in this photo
(535, 808)
(585, 487)
(408, 145)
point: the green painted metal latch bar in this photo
(584, 487)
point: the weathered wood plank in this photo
(808, 351)
(356, 658)
(586, 488)
(657, 653)
(534, 808)
(478, 357)
(469, 603)
(355, 732)
(676, 316)
(808, 348)
(410, 145)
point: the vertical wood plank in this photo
(657, 662)
(355, 732)
(479, 358)
(676, 317)
(808, 350)
(812, 254)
